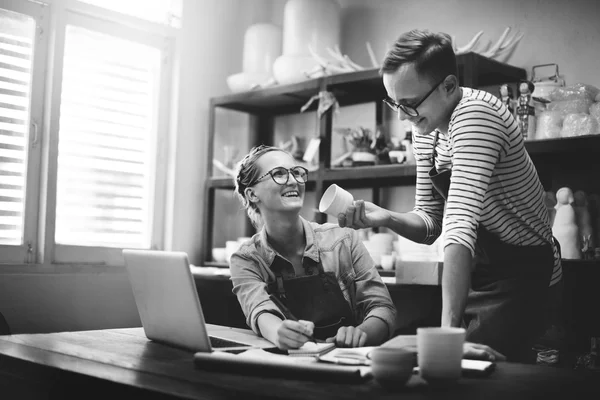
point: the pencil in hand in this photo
(287, 313)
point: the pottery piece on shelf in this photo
(243, 81)
(315, 23)
(565, 228)
(291, 69)
(262, 46)
(307, 25)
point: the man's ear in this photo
(250, 195)
(451, 84)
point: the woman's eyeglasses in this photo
(411, 111)
(281, 175)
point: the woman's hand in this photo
(293, 334)
(363, 214)
(481, 352)
(349, 336)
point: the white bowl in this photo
(243, 81)
(219, 254)
(291, 69)
(363, 156)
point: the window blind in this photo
(17, 33)
(107, 139)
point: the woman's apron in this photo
(506, 306)
(317, 298)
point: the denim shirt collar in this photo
(311, 250)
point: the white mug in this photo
(439, 353)
(335, 201)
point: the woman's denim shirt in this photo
(340, 251)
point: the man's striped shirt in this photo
(494, 182)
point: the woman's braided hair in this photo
(247, 172)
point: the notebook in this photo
(167, 301)
(312, 349)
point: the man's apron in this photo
(317, 298)
(507, 302)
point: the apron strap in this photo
(280, 288)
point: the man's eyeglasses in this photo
(410, 110)
(281, 175)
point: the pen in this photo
(287, 313)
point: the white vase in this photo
(565, 228)
(310, 22)
(262, 46)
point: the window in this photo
(83, 128)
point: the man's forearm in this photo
(408, 225)
(456, 281)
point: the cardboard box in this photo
(419, 272)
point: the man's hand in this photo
(363, 214)
(481, 352)
(293, 334)
(349, 336)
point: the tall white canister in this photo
(262, 45)
(310, 22)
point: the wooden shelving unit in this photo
(351, 88)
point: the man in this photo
(499, 254)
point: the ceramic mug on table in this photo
(439, 353)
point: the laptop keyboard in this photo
(217, 342)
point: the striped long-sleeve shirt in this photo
(494, 182)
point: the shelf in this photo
(487, 71)
(221, 183)
(281, 99)
(356, 87)
(595, 263)
(580, 144)
(373, 175)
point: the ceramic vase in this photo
(565, 228)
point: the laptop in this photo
(167, 301)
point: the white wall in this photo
(556, 31)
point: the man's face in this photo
(406, 87)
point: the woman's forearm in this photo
(377, 331)
(268, 325)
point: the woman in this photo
(322, 273)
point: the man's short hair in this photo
(431, 53)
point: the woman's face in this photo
(273, 196)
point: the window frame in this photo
(40, 210)
(25, 253)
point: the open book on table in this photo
(312, 349)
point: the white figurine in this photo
(565, 228)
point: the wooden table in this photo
(122, 362)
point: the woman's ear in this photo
(250, 195)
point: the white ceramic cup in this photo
(231, 246)
(387, 262)
(439, 353)
(335, 201)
